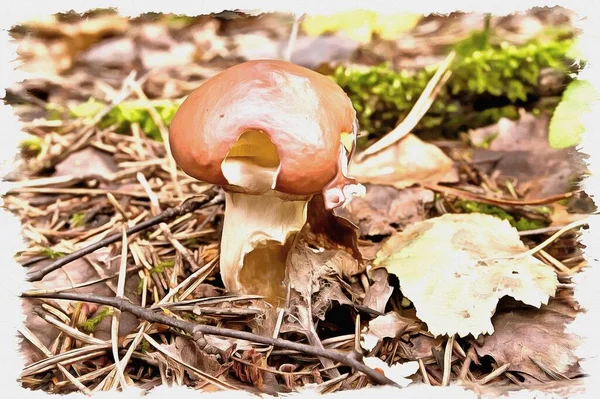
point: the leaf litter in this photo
(336, 302)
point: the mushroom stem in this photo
(258, 233)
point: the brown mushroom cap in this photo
(303, 113)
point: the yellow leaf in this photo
(450, 268)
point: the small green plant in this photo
(126, 113)
(31, 145)
(89, 326)
(77, 219)
(161, 265)
(52, 254)
(144, 346)
(520, 223)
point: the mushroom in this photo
(272, 134)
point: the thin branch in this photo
(498, 201)
(550, 240)
(211, 198)
(448, 361)
(287, 55)
(195, 329)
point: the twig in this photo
(424, 372)
(556, 263)
(542, 230)
(72, 356)
(537, 248)
(498, 201)
(210, 199)
(416, 113)
(116, 317)
(195, 329)
(287, 55)
(496, 373)
(448, 361)
(155, 207)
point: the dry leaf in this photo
(390, 325)
(384, 210)
(526, 155)
(329, 231)
(379, 292)
(405, 163)
(187, 351)
(87, 162)
(449, 268)
(306, 267)
(421, 346)
(207, 40)
(524, 336)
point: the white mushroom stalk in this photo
(260, 223)
(258, 233)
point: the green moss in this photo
(520, 223)
(505, 76)
(89, 326)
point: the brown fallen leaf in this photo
(252, 373)
(456, 267)
(307, 266)
(325, 252)
(187, 350)
(98, 26)
(422, 346)
(384, 209)
(87, 162)
(330, 231)
(526, 155)
(379, 292)
(526, 337)
(407, 162)
(391, 325)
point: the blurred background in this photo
(382, 61)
